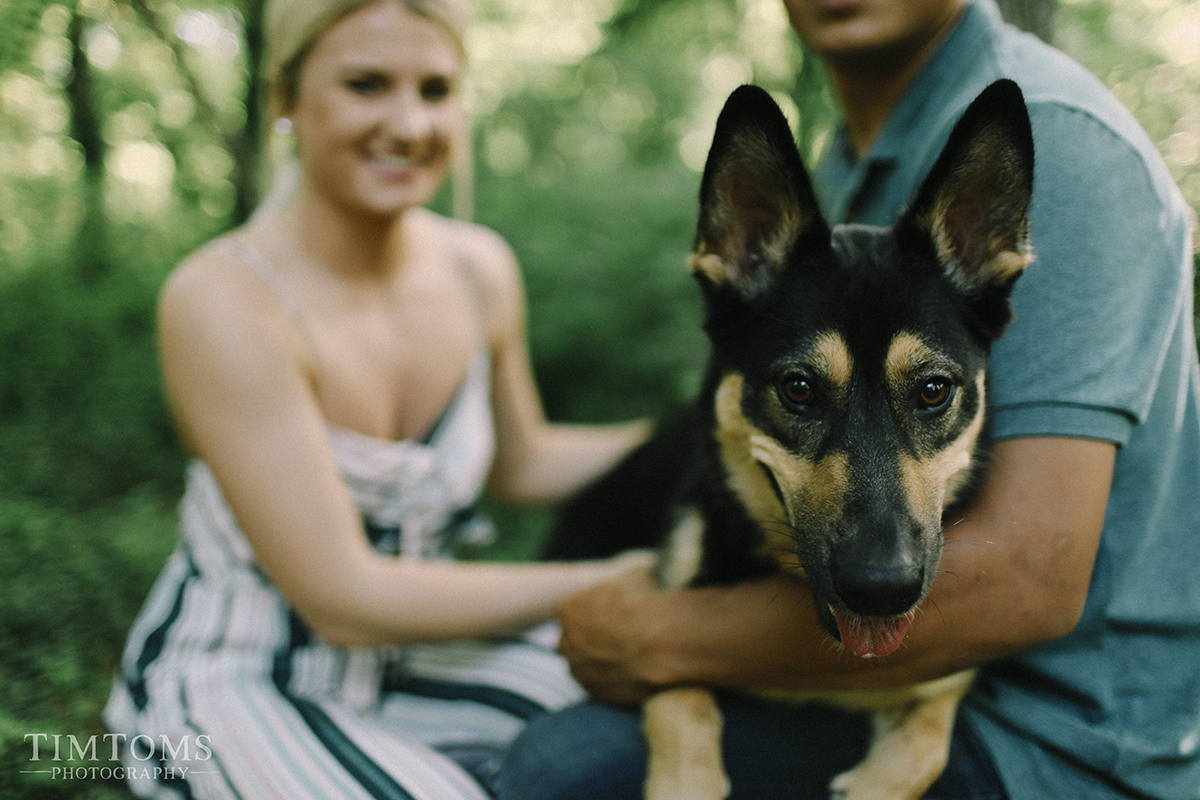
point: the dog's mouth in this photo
(871, 637)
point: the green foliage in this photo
(80, 398)
(72, 582)
(614, 312)
(19, 22)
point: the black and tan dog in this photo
(842, 413)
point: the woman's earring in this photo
(282, 126)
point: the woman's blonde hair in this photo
(290, 27)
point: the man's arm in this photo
(1015, 573)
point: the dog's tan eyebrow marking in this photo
(831, 357)
(907, 354)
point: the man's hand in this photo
(606, 634)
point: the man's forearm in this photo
(1015, 573)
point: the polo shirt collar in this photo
(842, 174)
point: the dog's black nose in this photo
(880, 592)
(878, 572)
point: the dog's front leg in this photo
(683, 735)
(910, 744)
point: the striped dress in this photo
(224, 693)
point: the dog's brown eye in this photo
(935, 393)
(796, 391)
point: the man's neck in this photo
(867, 101)
(870, 86)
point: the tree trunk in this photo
(92, 237)
(247, 144)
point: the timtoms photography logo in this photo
(75, 760)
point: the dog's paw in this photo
(697, 785)
(839, 787)
(856, 785)
(862, 784)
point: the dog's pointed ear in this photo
(756, 199)
(974, 204)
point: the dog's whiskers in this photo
(932, 600)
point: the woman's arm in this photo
(1015, 573)
(536, 461)
(240, 386)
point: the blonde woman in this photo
(349, 370)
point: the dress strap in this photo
(262, 266)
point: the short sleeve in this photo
(1096, 310)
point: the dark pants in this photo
(772, 750)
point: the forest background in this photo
(129, 134)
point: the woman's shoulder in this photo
(218, 287)
(487, 261)
(478, 248)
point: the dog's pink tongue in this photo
(871, 637)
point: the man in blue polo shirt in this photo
(1102, 350)
(1076, 579)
